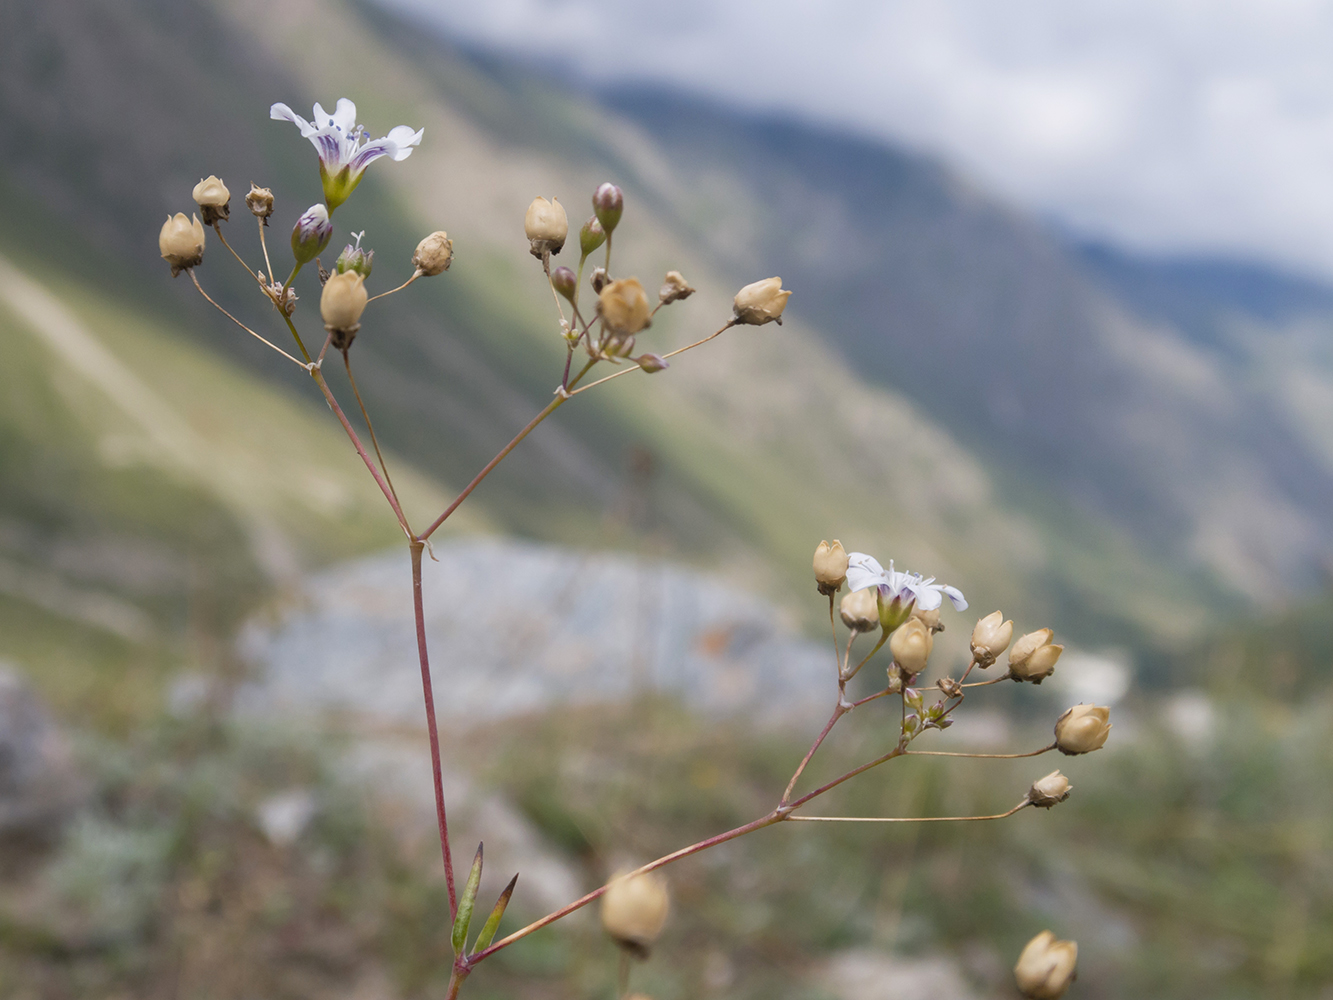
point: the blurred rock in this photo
(39, 785)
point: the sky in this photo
(1198, 126)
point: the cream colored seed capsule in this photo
(860, 610)
(830, 567)
(1046, 967)
(546, 225)
(1082, 729)
(910, 645)
(181, 242)
(624, 306)
(634, 910)
(761, 302)
(434, 254)
(990, 638)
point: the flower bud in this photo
(260, 202)
(761, 302)
(546, 226)
(1049, 791)
(910, 645)
(830, 566)
(949, 687)
(434, 254)
(634, 910)
(860, 610)
(353, 258)
(1082, 729)
(341, 304)
(181, 242)
(1046, 967)
(674, 287)
(311, 234)
(651, 363)
(624, 306)
(607, 204)
(213, 199)
(591, 236)
(1033, 657)
(990, 638)
(564, 281)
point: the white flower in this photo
(865, 571)
(344, 152)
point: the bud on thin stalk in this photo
(1050, 790)
(546, 226)
(624, 306)
(761, 302)
(651, 363)
(1082, 729)
(213, 199)
(1033, 657)
(674, 288)
(860, 610)
(466, 902)
(911, 644)
(311, 234)
(608, 203)
(634, 911)
(830, 565)
(564, 281)
(990, 638)
(260, 202)
(434, 254)
(591, 236)
(181, 242)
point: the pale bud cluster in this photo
(1082, 729)
(1046, 967)
(634, 911)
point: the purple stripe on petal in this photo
(330, 149)
(371, 152)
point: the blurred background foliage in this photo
(1135, 451)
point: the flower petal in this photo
(956, 595)
(280, 112)
(404, 139)
(927, 598)
(864, 571)
(371, 152)
(344, 116)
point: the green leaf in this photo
(492, 924)
(466, 902)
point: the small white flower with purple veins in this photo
(905, 588)
(344, 151)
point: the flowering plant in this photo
(904, 607)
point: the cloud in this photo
(1167, 124)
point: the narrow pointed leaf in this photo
(492, 924)
(465, 904)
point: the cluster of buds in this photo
(1046, 967)
(634, 911)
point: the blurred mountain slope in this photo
(762, 445)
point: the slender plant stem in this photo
(263, 242)
(984, 756)
(767, 820)
(240, 324)
(635, 368)
(415, 276)
(883, 638)
(442, 819)
(347, 364)
(292, 327)
(838, 713)
(218, 229)
(318, 376)
(905, 819)
(871, 697)
(895, 752)
(550, 408)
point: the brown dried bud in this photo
(260, 202)
(860, 610)
(600, 279)
(1046, 967)
(634, 910)
(624, 306)
(213, 199)
(651, 363)
(830, 567)
(1082, 729)
(434, 254)
(1050, 790)
(674, 287)
(761, 302)
(181, 242)
(949, 687)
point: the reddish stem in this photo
(441, 819)
(838, 713)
